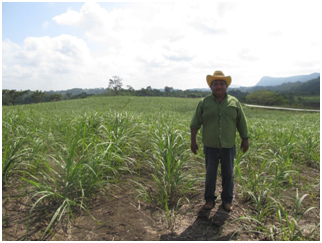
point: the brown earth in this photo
(122, 217)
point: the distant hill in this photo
(77, 91)
(232, 86)
(310, 87)
(272, 81)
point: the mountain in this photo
(272, 81)
(234, 86)
(310, 87)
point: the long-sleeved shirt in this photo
(220, 121)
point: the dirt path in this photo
(123, 218)
(281, 108)
(120, 218)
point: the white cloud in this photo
(171, 44)
(47, 63)
(70, 18)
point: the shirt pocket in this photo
(231, 112)
(210, 112)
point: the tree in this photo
(12, 95)
(69, 95)
(265, 97)
(55, 97)
(38, 96)
(116, 84)
(168, 90)
(241, 96)
(130, 88)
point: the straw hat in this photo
(218, 75)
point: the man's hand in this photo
(194, 144)
(244, 145)
(194, 147)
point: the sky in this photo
(64, 45)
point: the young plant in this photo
(77, 171)
(11, 157)
(171, 175)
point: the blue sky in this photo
(22, 19)
(58, 46)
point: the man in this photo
(220, 115)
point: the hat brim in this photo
(211, 78)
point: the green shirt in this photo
(220, 121)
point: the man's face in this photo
(218, 87)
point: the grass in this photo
(69, 151)
(312, 98)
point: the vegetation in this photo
(115, 84)
(310, 87)
(265, 97)
(11, 96)
(59, 155)
(38, 96)
(297, 94)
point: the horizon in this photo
(58, 45)
(232, 86)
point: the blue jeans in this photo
(226, 158)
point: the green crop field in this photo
(58, 156)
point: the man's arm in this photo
(242, 129)
(194, 144)
(195, 125)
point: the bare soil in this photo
(122, 217)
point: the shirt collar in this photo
(226, 97)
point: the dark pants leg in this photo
(226, 158)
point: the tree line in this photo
(115, 87)
(14, 97)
